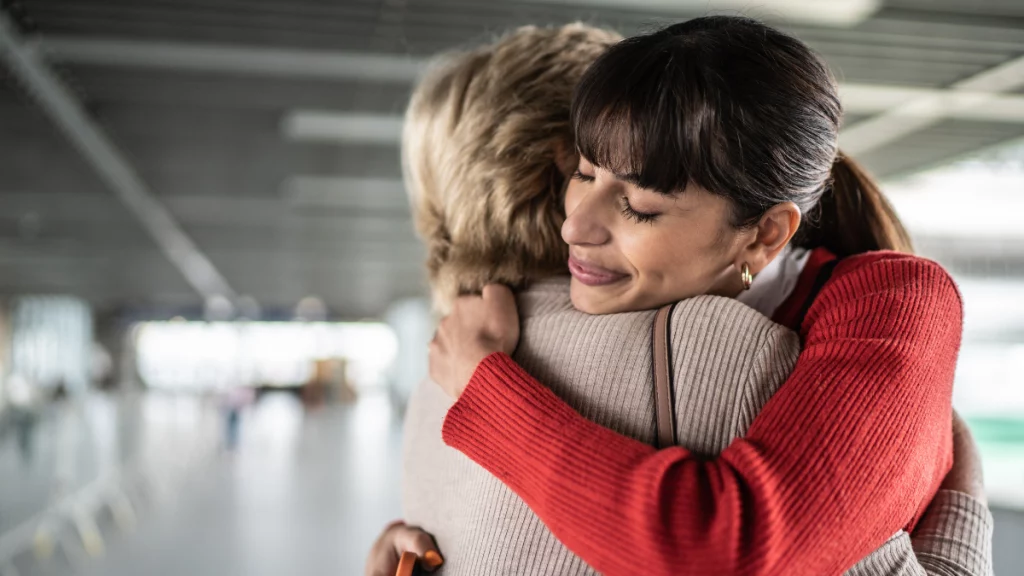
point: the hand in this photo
(396, 539)
(477, 327)
(966, 474)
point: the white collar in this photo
(776, 282)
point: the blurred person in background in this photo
(488, 149)
(233, 401)
(24, 402)
(101, 367)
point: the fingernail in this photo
(432, 559)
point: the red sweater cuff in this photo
(501, 402)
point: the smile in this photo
(592, 275)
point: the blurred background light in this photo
(205, 356)
(969, 199)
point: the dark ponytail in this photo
(853, 216)
(740, 110)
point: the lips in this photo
(593, 275)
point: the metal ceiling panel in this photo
(284, 219)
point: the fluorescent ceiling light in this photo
(822, 12)
(342, 192)
(359, 128)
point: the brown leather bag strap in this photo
(663, 396)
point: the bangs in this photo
(642, 111)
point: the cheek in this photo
(683, 258)
(647, 250)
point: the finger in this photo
(498, 294)
(960, 428)
(966, 474)
(381, 564)
(382, 560)
(462, 301)
(385, 568)
(501, 303)
(422, 544)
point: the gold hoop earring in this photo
(746, 276)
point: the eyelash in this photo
(627, 210)
(577, 175)
(639, 217)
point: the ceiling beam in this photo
(912, 105)
(820, 12)
(977, 98)
(959, 104)
(342, 192)
(112, 167)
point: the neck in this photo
(729, 284)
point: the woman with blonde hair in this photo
(488, 150)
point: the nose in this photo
(585, 222)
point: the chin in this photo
(591, 300)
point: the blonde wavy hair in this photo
(486, 148)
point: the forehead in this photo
(632, 178)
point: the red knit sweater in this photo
(851, 448)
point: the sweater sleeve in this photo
(955, 536)
(848, 451)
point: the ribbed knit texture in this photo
(851, 448)
(953, 539)
(955, 536)
(727, 361)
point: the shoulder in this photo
(729, 328)
(726, 315)
(887, 294)
(886, 271)
(542, 297)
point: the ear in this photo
(773, 232)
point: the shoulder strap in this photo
(663, 396)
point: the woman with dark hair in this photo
(709, 165)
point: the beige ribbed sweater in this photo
(727, 362)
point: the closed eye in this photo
(639, 217)
(577, 175)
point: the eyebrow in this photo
(630, 178)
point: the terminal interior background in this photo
(212, 300)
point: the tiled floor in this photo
(304, 493)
